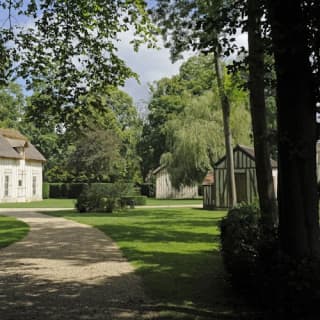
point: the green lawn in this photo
(69, 203)
(46, 203)
(165, 202)
(11, 230)
(176, 251)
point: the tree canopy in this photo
(66, 49)
(184, 125)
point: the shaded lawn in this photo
(176, 251)
(11, 230)
(46, 203)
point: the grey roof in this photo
(9, 145)
(32, 153)
(6, 150)
(155, 171)
(249, 151)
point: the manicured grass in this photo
(176, 251)
(165, 202)
(11, 230)
(69, 203)
(46, 203)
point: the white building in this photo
(165, 190)
(20, 168)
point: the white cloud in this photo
(149, 64)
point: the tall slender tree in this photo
(265, 184)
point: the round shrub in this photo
(240, 234)
(103, 197)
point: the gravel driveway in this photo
(66, 270)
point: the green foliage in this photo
(56, 191)
(240, 234)
(110, 110)
(195, 138)
(195, 141)
(276, 282)
(45, 190)
(12, 104)
(65, 190)
(133, 201)
(170, 96)
(97, 156)
(103, 197)
(147, 189)
(69, 48)
(184, 127)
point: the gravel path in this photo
(66, 270)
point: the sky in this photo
(149, 64)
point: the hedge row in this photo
(73, 190)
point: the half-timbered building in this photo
(245, 179)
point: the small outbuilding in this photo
(216, 195)
(165, 190)
(20, 168)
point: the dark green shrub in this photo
(55, 190)
(75, 189)
(102, 197)
(45, 190)
(133, 201)
(286, 287)
(147, 189)
(240, 233)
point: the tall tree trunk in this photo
(297, 196)
(266, 192)
(225, 104)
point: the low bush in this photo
(103, 197)
(240, 234)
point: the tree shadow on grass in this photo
(181, 282)
(42, 299)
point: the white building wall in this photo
(165, 190)
(24, 171)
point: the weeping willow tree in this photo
(196, 140)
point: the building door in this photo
(241, 186)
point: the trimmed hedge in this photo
(45, 190)
(73, 190)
